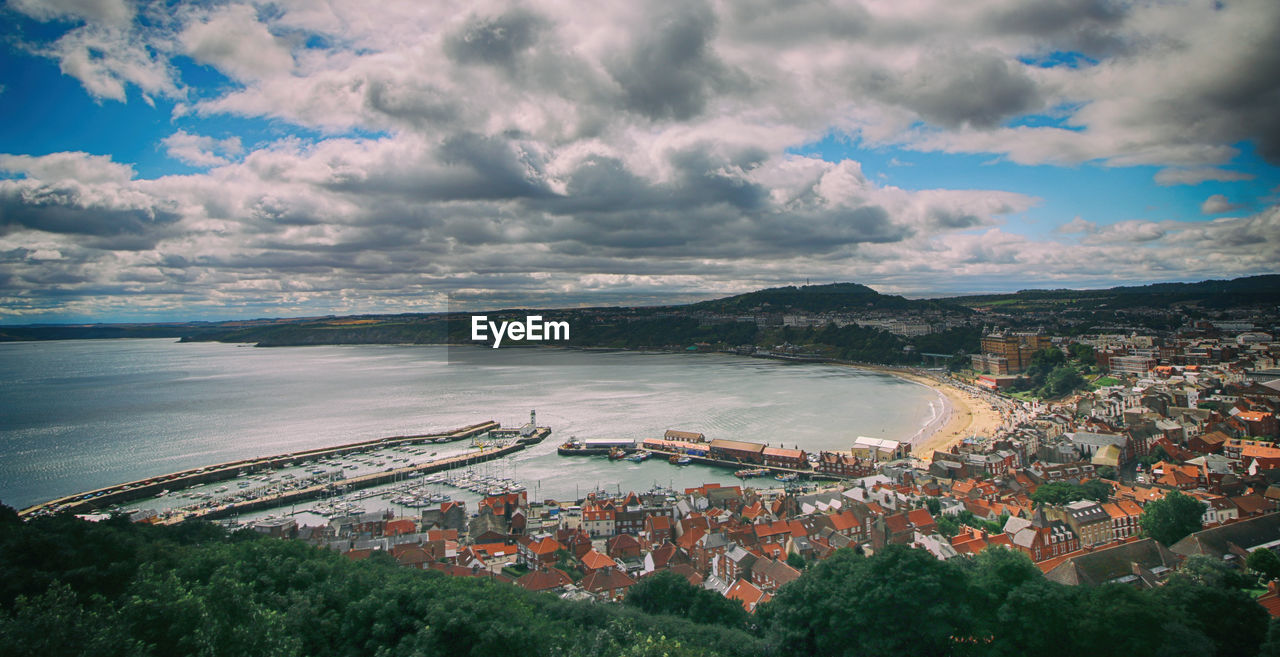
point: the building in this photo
(737, 450)
(1135, 365)
(1006, 352)
(784, 458)
(1144, 564)
(1091, 523)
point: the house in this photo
(1041, 538)
(624, 546)
(746, 593)
(657, 529)
(1124, 516)
(535, 553)
(593, 560)
(1144, 563)
(785, 458)
(1209, 443)
(1232, 542)
(771, 574)
(545, 579)
(1091, 523)
(1271, 599)
(599, 519)
(608, 584)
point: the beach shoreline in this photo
(964, 414)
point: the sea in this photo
(81, 414)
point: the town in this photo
(1092, 487)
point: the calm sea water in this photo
(77, 415)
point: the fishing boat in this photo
(751, 472)
(681, 460)
(791, 476)
(639, 457)
(617, 454)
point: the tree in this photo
(1171, 519)
(1107, 472)
(1062, 380)
(1097, 490)
(934, 505)
(1082, 353)
(670, 593)
(1057, 493)
(852, 605)
(1265, 563)
(796, 561)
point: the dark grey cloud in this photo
(67, 209)
(955, 88)
(671, 70)
(1088, 26)
(496, 41)
(411, 101)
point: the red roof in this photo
(545, 545)
(543, 580)
(594, 560)
(920, 517)
(746, 593)
(606, 580)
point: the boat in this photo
(751, 472)
(617, 454)
(791, 476)
(677, 459)
(639, 457)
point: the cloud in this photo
(534, 148)
(1218, 204)
(74, 166)
(201, 151)
(233, 40)
(113, 12)
(1195, 176)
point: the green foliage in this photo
(881, 605)
(1171, 519)
(796, 561)
(670, 593)
(114, 588)
(1082, 353)
(1106, 472)
(1064, 492)
(934, 505)
(197, 590)
(1265, 563)
(1063, 380)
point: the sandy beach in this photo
(964, 415)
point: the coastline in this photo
(964, 414)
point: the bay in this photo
(77, 415)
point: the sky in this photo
(168, 161)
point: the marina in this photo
(338, 473)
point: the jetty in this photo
(89, 501)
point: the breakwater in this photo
(124, 493)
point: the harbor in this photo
(287, 479)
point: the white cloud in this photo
(234, 41)
(73, 166)
(1218, 204)
(201, 151)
